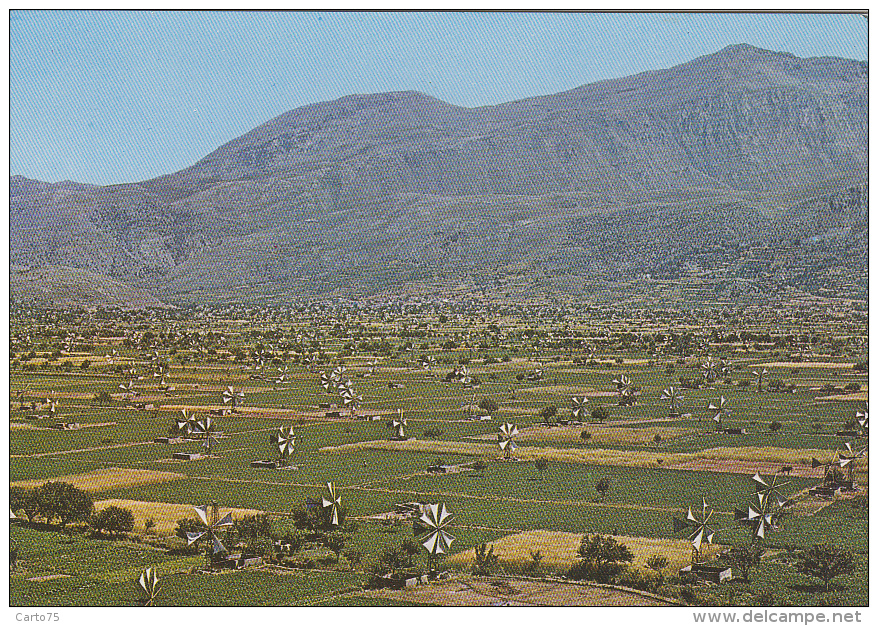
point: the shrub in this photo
(745, 558)
(486, 563)
(585, 435)
(113, 520)
(433, 433)
(64, 501)
(602, 486)
(775, 426)
(488, 404)
(600, 414)
(548, 412)
(825, 562)
(602, 559)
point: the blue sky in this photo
(112, 97)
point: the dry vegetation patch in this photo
(559, 549)
(108, 478)
(599, 434)
(164, 514)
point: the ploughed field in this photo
(655, 461)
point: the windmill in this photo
(185, 424)
(579, 403)
(53, 404)
(333, 504)
(850, 459)
(325, 381)
(506, 439)
(760, 376)
(206, 427)
(285, 440)
(863, 420)
(233, 397)
(720, 412)
(161, 372)
(626, 393)
(398, 425)
(281, 376)
(427, 362)
(697, 528)
(128, 388)
(763, 514)
(673, 396)
(709, 368)
(210, 517)
(371, 369)
(435, 519)
(111, 358)
(149, 584)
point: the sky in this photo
(113, 97)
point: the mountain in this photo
(636, 185)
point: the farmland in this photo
(97, 400)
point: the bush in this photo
(775, 426)
(585, 435)
(825, 562)
(113, 520)
(64, 501)
(548, 412)
(487, 563)
(852, 387)
(433, 433)
(600, 414)
(602, 486)
(602, 559)
(489, 405)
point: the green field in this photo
(490, 497)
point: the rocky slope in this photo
(376, 193)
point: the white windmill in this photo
(673, 396)
(579, 410)
(233, 397)
(720, 412)
(697, 528)
(398, 425)
(285, 440)
(149, 584)
(763, 514)
(506, 439)
(760, 377)
(206, 427)
(210, 517)
(435, 519)
(333, 503)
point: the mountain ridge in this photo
(296, 203)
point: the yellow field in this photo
(808, 364)
(860, 396)
(599, 434)
(597, 456)
(164, 514)
(103, 479)
(559, 550)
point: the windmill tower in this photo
(434, 520)
(697, 528)
(210, 517)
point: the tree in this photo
(24, 499)
(488, 405)
(64, 501)
(113, 520)
(657, 562)
(775, 426)
(542, 464)
(487, 562)
(600, 414)
(825, 562)
(745, 558)
(548, 412)
(602, 486)
(602, 559)
(335, 541)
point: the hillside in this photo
(742, 172)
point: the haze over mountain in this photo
(740, 176)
